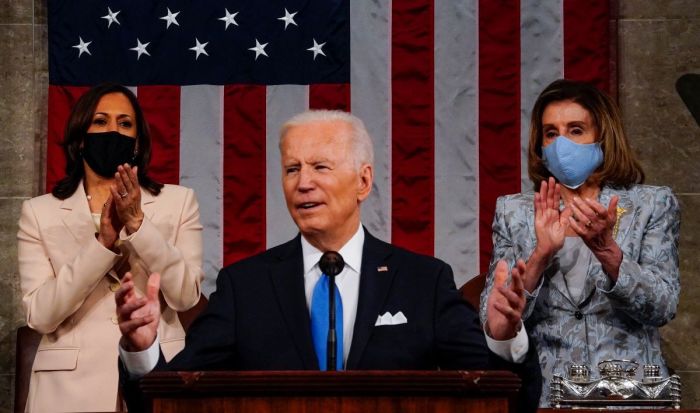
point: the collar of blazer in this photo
(148, 203)
(626, 213)
(78, 218)
(626, 210)
(285, 270)
(376, 275)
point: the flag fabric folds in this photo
(444, 87)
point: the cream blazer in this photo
(68, 280)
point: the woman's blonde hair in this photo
(620, 166)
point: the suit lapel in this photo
(626, 211)
(77, 217)
(148, 204)
(529, 211)
(287, 276)
(626, 214)
(374, 287)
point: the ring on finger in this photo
(589, 224)
(123, 194)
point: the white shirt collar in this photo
(351, 252)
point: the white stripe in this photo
(370, 96)
(541, 56)
(201, 168)
(477, 183)
(456, 156)
(283, 102)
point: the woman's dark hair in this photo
(620, 167)
(78, 123)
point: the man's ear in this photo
(366, 178)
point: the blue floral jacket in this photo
(613, 321)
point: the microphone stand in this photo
(331, 264)
(331, 356)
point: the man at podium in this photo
(395, 310)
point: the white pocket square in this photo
(387, 319)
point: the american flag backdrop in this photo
(444, 86)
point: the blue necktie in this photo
(319, 322)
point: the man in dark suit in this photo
(400, 310)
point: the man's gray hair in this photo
(363, 151)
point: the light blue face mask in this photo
(570, 162)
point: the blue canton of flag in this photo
(179, 42)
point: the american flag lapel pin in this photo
(382, 268)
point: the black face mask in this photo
(105, 151)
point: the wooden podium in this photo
(347, 391)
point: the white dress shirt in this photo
(348, 281)
(513, 350)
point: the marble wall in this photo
(23, 81)
(658, 42)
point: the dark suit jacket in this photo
(258, 318)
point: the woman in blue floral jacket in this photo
(601, 248)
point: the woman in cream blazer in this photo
(76, 243)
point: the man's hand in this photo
(506, 303)
(138, 316)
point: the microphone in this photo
(688, 88)
(331, 264)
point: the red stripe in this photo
(499, 111)
(413, 125)
(161, 107)
(614, 10)
(330, 96)
(61, 101)
(244, 171)
(587, 41)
